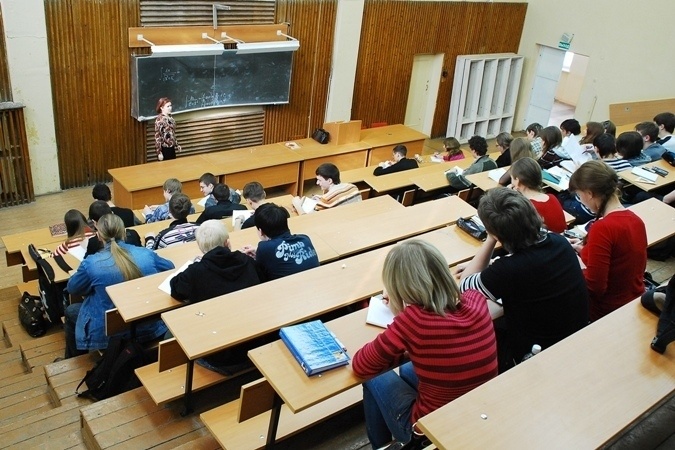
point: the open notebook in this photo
(379, 313)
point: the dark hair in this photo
(101, 192)
(75, 223)
(328, 170)
(609, 127)
(179, 206)
(571, 125)
(253, 191)
(649, 129)
(221, 192)
(534, 127)
(478, 144)
(528, 172)
(401, 150)
(593, 130)
(597, 177)
(271, 219)
(510, 217)
(160, 103)
(551, 137)
(208, 178)
(629, 144)
(667, 119)
(99, 209)
(606, 145)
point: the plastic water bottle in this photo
(536, 348)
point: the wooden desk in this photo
(272, 165)
(345, 157)
(363, 233)
(399, 180)
(483, 181)
(140, 185)
(382, 141)
(659, 219)
(660, 181)
(433, 180)
(577, 394)
(15, 243)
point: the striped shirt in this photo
(618, 164)
(177, 233)
(451, 354)
(338, 194)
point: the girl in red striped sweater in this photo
(449, 340)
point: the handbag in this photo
(669, 157)
(321, 136)
(32, 315)
(473, 226)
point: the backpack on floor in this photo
(54, 295)
(32, 315)
(114, 372)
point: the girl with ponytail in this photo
(115, 263)
(615, 249)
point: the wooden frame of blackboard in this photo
(202, 82)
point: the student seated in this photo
(180, 230)
(526, 179)
(503, 142)
(519, 148)
(532, 132)
(540, 282)
(102, 192)
(97, 210)
(399, 163)
(629, 146)
(223, 207)
(666, 123)
(156, 213)
(280, 253)
(447, 336)
(609, 127)
(254, 195)
(453, 152)
(650, 135)
(478, 147)
(333, 194)
(615, 249)
(219, 271)
(206, 184)
(78, 232)
(605, 149)
(551, 153)
(116, 263)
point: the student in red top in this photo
(526, 179)
(615, 249)
(78, 231)
(448, 337)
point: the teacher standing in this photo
(165, 131)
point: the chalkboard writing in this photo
(198, 82)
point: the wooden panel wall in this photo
(89, 62)
(5, 84)
(393, 32)
(313, 24)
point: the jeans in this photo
(387, 401)
(71, 313)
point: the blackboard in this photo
(199, 82)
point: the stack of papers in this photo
(379, 313)
(647, 176)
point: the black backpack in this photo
(32, 315)
(114, 372)
(54, 295)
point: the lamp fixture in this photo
(215, 49)
(269, 47)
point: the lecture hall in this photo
(150, 149)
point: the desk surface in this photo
(659, 219)
(609, 377)
(310, 149)
(435, 179)
(154, 174)
(390, 135)
(400, 180)
(249, 158)
(660, 181)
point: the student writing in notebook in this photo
(398, 164)
(334, 193)
(448, 337)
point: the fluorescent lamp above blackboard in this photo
(267, 47)
(187, 50)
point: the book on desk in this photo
(314, 347)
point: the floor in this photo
(560, 112)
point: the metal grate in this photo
(165, 13)
(217, 133)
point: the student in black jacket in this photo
(223, 208)
(399, 164)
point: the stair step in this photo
(21, 383)
(11, 369)
(43, 350)
(22, 431)
(64, 376)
